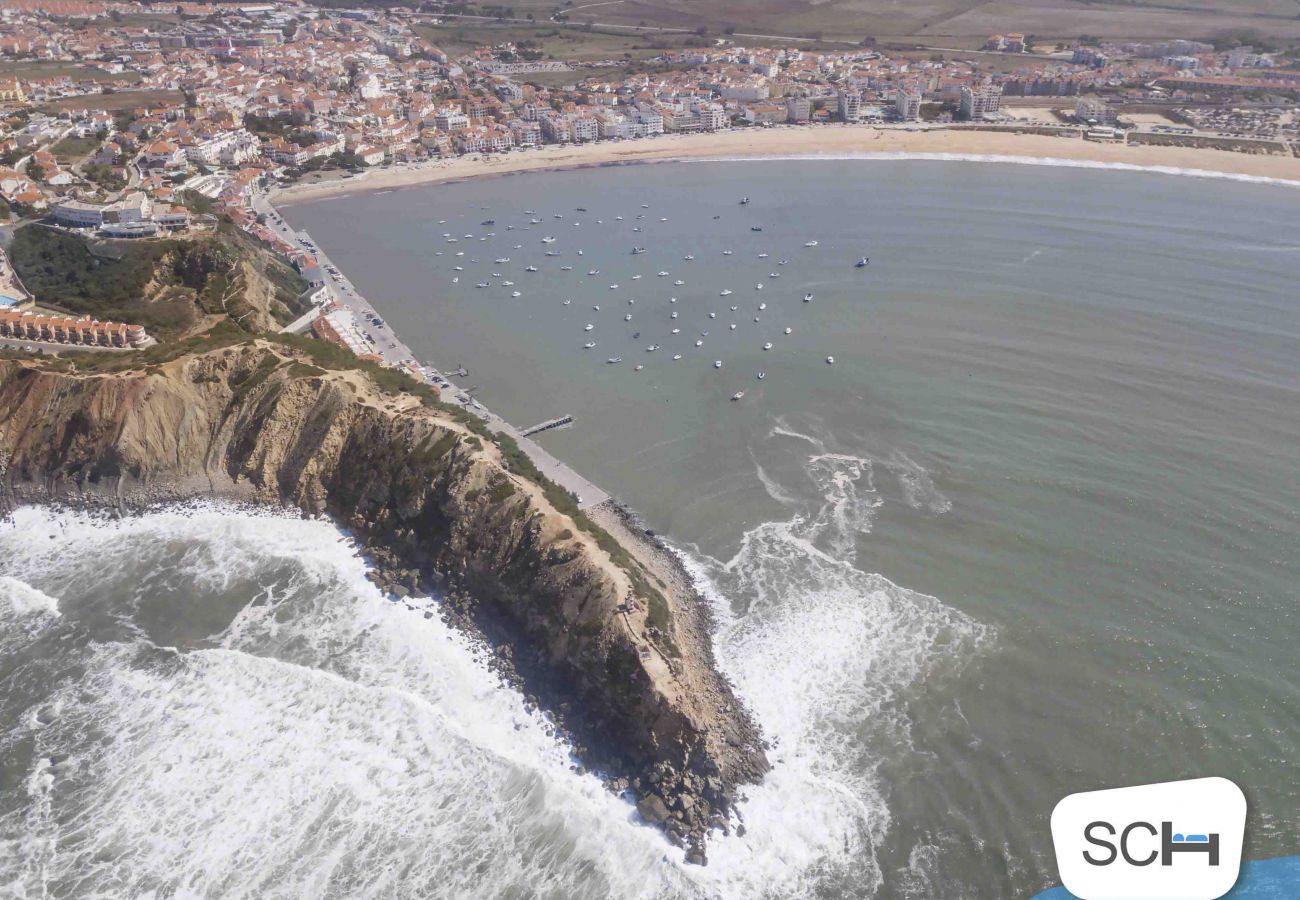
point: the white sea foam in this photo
(323, 741)
(1013, 160)
(820, 652)
(21, 599)
(326, 743)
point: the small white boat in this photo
(548, 240)
(635, 277)
(713, 315)
(673, 315)
(458, 268)
(762, 306)
(630, 301)
(688, 256)
(699, 343)
(515, 294)
(455, 279)
(652, 348)
(861, 263)
(530, 268)
(594, 272)
(762, 375)
(725, 292)
(783, 262)
(503, 259)
(677, 331)
(566, 268)
(734, 308)
(614, 359)
(672, 299)
(677, 356)
(613, 287)
(755, 318)
(726, 252)
(665, 219)
(567, 302)
(588, 345)
(662, 274)
(732, 326)
(773, 274)
(596, 307)
(618, 218)
(788, 330)
(807, 298)
(762, 256)
(767, 346)
(744, 201)
(737, 395)
(579, 252)
(507, 284)
(679, 282)
(588, 327)
(638, 368)
(717, 364)
(481, 284)
(810, 244)
(830, 360)
(552, 252)
(627, 318)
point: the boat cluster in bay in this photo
(729, 311)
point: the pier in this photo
(547, 425)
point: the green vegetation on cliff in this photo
(167, 285)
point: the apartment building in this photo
(979, 102)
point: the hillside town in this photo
(126, 120)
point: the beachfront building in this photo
(798, 110)
(979, 102)
(850, 106)
(1095, 112)
(907, 104)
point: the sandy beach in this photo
(812, 142)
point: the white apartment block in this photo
(1094, 111)
(907, 104)
(450, 120)
(980, 102)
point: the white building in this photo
(980, 102)
(1094, 111)
(907, 104)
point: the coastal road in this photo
(395, 353)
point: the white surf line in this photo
(901, 155)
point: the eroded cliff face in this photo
(424, 492)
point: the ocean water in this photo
(1034, 531)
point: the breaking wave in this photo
(233, 674)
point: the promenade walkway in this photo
(388, 345)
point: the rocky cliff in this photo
(440, 506)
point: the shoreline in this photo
(819, 143)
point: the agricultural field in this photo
(37, 70)
(570, 42)
(948, 23)
(116, 101)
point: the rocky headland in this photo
(603, 630)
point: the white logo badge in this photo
(1175, 841)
